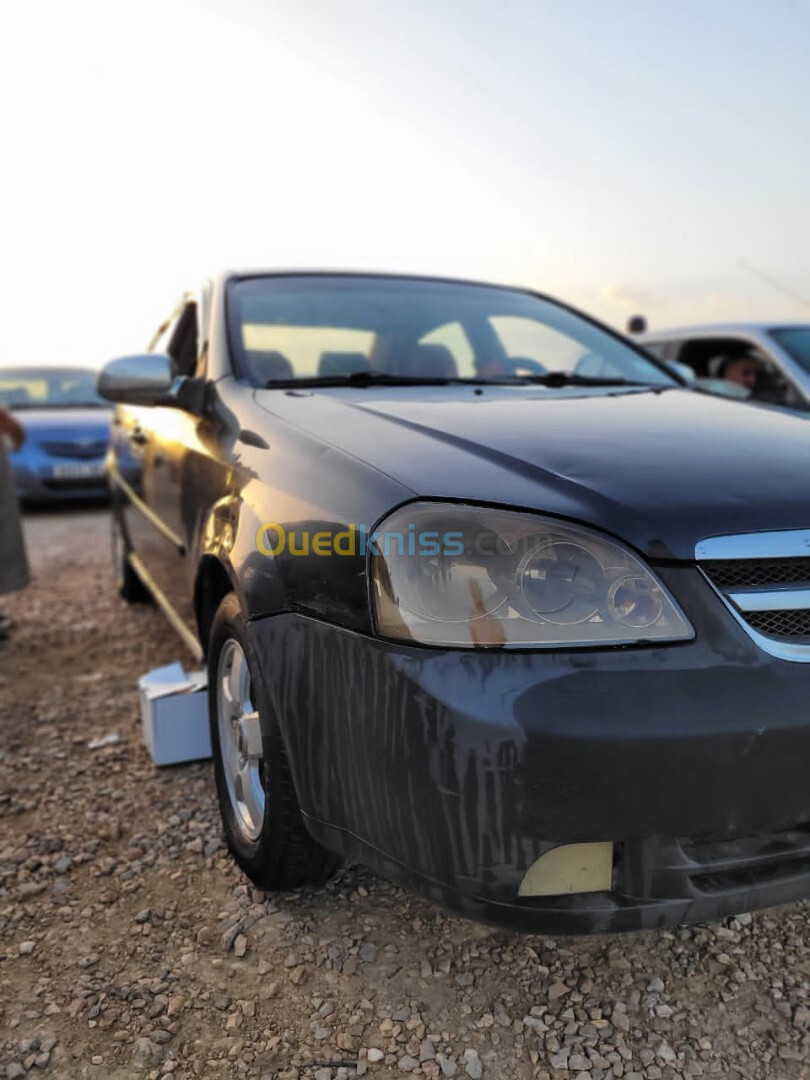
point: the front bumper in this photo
(452, 772)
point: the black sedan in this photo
(527, 639)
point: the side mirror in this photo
(682, 370)
(137, 380)
(147, 379)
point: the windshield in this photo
(796, 341)
(35, 388)
(355, 329)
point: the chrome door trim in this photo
(188, 638)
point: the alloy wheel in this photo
(240, 741)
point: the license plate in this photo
(82, 470)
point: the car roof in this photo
(720, 328)
(254, 272)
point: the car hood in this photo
(662, 469)
(68, 422)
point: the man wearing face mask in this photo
(13, 559)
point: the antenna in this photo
(774, 283)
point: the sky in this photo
(633, 156)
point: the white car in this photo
(767, 362)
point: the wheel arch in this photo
(213, 583)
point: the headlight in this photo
(475, 577)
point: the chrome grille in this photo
(783, 624)
(748, 573)
(764, 579)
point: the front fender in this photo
(228, 539)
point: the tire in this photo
(262, 821)
(127, 583)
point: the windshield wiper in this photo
(384, 378)
(365, 378)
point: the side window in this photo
(737, 367)
(184, 341)
(162, 336)
(705, 355)
(178, 337)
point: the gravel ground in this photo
(130, 946)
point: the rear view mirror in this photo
(137, 380)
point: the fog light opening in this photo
(570, 868)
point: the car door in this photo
(173, 445)
(133, 444)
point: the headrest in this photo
(269, 365)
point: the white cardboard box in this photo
(174, 714)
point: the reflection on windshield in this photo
(357, 330)
(34, 388)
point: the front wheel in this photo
(261, 818)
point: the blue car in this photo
(67, 427)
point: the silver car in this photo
(766, 362)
